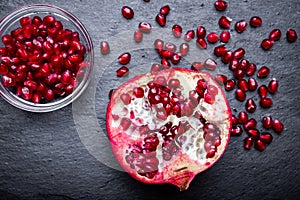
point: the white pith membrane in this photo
(189, 155)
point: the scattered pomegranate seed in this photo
(127, 12)
(234, 121)
(220, 5)
(243, 118)
(159, 44)
(250, 105)
(225, 36)
(240, 95)
(251, 69)
(155, 68)
(177, 30)
(266, 102)
(227, 58)
(248, 143)
(175, 59)
(104, 47)
(123, 71)
(220, 50)
(273, 86)
(210, 64)
(255, 21)
(166, 54)
(263, 91)
(291, 35)
(165, 63)
(239, 53)
(243, 85)
(254, 133)
(277, 126)
(221, 79)
(267, 122)
(275, 35)
(212, 37)
(263, 72)
(184, 48)
(266, 138)
(197, 66)
(201, 43)
(201, 32)
(145, 27)
(124, 58)
(236, 131)
(224, 22)
(251, 124)
(259, 145)
(165, 10)
(170, 47)
(241, 26)
(230, 85)
(239, 73)
(161, 19)
(252, 84)
(266, 44)
(190, 34)
(138, 36)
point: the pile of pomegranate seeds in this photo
(42, 61)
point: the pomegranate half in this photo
(168, 127)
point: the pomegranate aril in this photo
(266, 44)
(165, 63)
(138, 92)
(36, 98)
(251, 69)
(201, 32)
(248, 143)
(7, 39)
(166, 54)
(145, 27)
(49, 20)
(266, 138)
(177, 30)
(155, 68)
(273, 86)
(255, 21)
(161, 19)
(241, 26)
(8, 81)
(224, 22)
(170, 47)
(243, 85)
(220, 5)
(104, 47)
(236, 131)
(230, 84)
(184, 48)
(227, 58)
(250, 105)
(252, 84)
(277, 126)
(176, 58)
(243, 118)
(254, 133)
(49, 95)
(138, 36)
(126, 99)
(197, 66)
(124, 58)
(165, 10)
(221, 79)
(234, 121)
(238, 73)
(212, 37)
(210, 64)
(267, 122)
(32, 85)
(263, 72)
(239, 53)
(26, 93)
(189, 35)
(127, 12)
(201, 43)
(3, 69)
(275, 35)
(122, 71)
(263, 91)
(220, 50)
(240, 95)
(291, 35)
(225, 36)
(251, 124)
(259, 145)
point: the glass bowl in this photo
(69, 21)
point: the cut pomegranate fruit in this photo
(127, 12)
(275, 35)
(221, 5)
(212, 37)
(241, 26)
(291, 35)
(158, 138)
(266, 44)
(255, 21)
(177, 30)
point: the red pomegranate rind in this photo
(140, 138)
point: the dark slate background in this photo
(42, 157)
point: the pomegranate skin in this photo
(180, 169)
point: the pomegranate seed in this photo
(125, 123)
(138, 92)
(267, 122)
(236, 131)
(241, 26)
(225, 36)
(251, 69)
(176, 58)
(166, 54)
(273, 86)
(123, 71)
(266, 138)
(220, 50)
(251, 124)
(26, 93)
(243, 118)
(145, 27)
(146, 1)
(104, 47)
(3, 69)
(174, 83)
(138, 36)
(210, 64)
(165, 10)
(7, 39)
(234, 121)
(32, 85)
(221, 79)
(263, 72)
(263, 91)
(170, 47)
(66, 77)
(244, 64)
(49, 20)
(255, 21)
(252, 84)
(161, 19)
(248, 143)
(190, 34)
(124, 58)
(25, 21)
(36, 98)
(212, 37)
(243, 85)
(260, 145)
(165, 63)
(224, 22)
(254, 133)
(197, 66)
(266, 44)
(239, 53)
(227, 58)
(159, 44)
(291, 35)
(201, 32)
(49, 95)
(230, 85)
(125, 99)
(201, 43)
(238, 73)
(220, 5)
(277, 126)
(8, 81)
(250, 105)
(275, 35)
(184, 48)
(155, 68)
(240, 95)
(127, 12)
(177, 30)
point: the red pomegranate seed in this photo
(123, 71)
(184, 48)
(266, 138)
(243, 85)
(159, 44)
(273, 86)
(138, 36)
(177, 30)
(126, 99)
(190, 34)
(236, 131)
(255, 21)
(201, 32)
(252, 84)
(36, 98)
(176, 58)
(155, 68)
(234, 64)
(138, 92)
(146, 1)
(25, 21)
(267, 122)
(250, 105)
(244, 64)
(277, 126)
(248, 143)
(145, 27)
(259, 145)
(8, 81)
(161, 19)
(69, 89)
(240, 95)
(201, 43)
(220, 50)
(197, 66)
(221, 79)
(266, 102)
(266, 44)
(49, 20)
(124, 58)
(212, 37)
(224, 22)
(238, 73)
(291, 35)
(251, 69)
(210, 64)
(170, 47)
(251, 124)
(220, 5)
(243, 118)
(166, 54)
(104, 46)
(254, 133)
(234, 121)
(7, 39)
(165, 63)
(230, 85)
(241, 26)
(275, 35)
(165, 10)
(239, 53)
(263, 72)
(49, 95)
(127, 12)
(227, 58)
(3, 69)
(263, 91)
(225, 36)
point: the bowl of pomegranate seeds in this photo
(46, 58)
